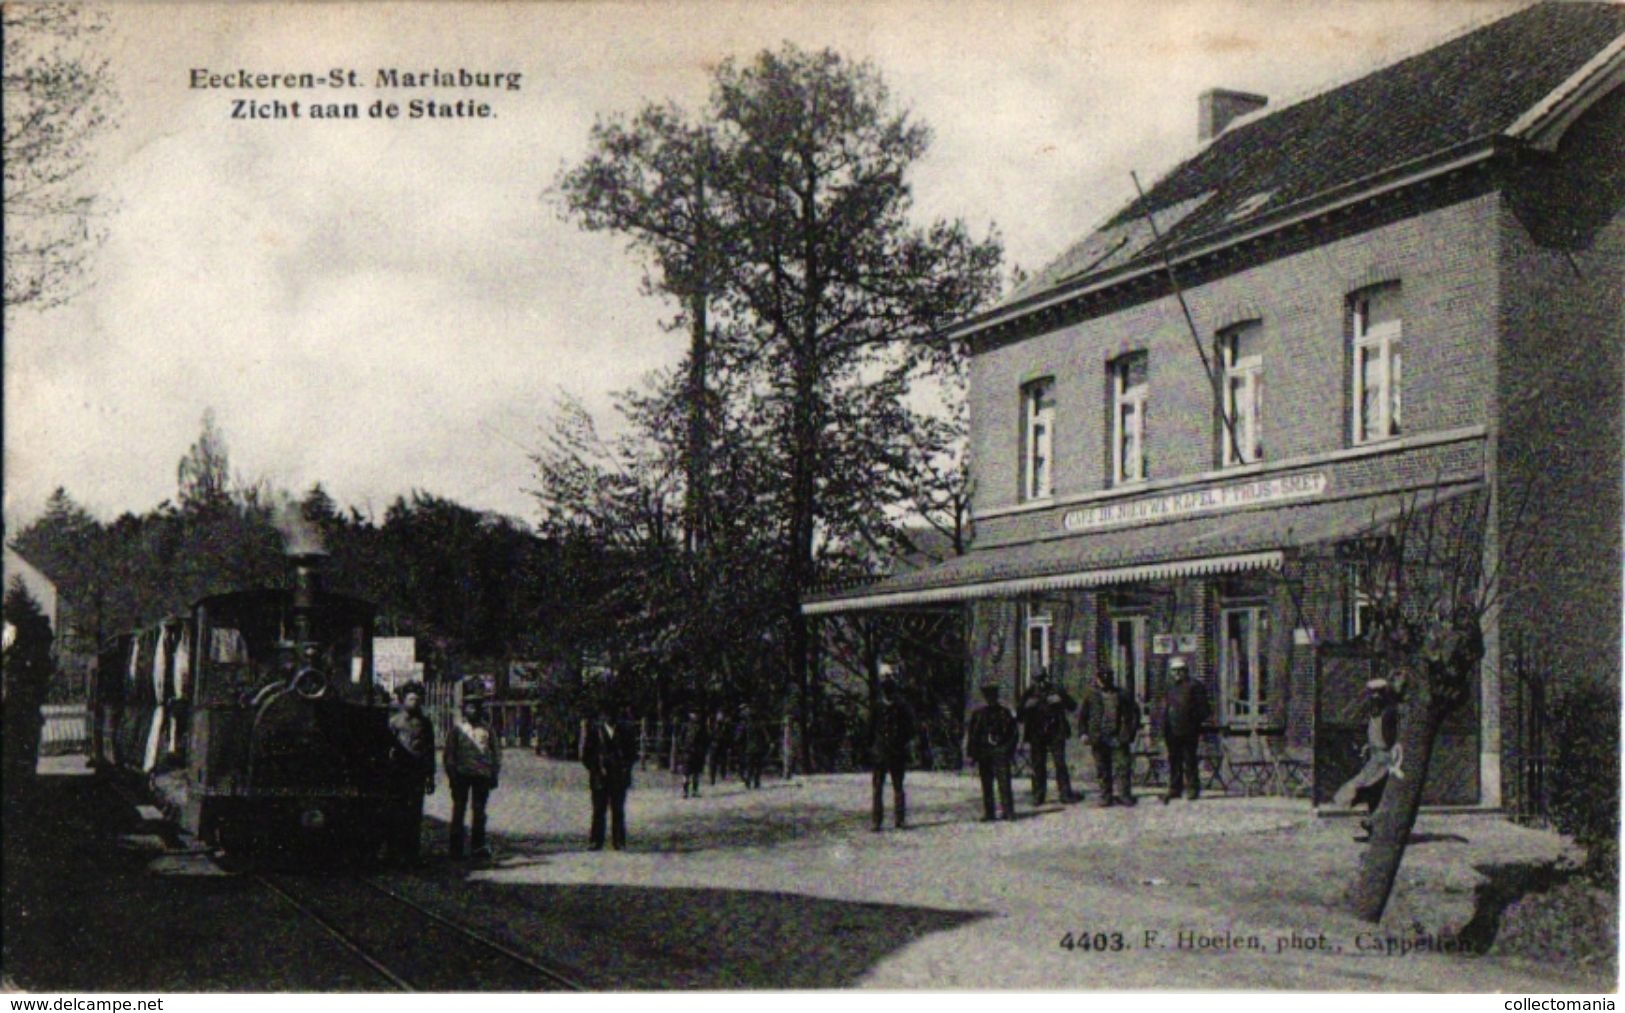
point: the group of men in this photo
(1108, 717)
(720, 744)
(609, 750)
(473, 764)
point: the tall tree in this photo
(204, 474)
(649, 178)
(787, 202)
(845, 296)
(68, 545)
(58, 97)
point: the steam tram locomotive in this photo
(255, 720)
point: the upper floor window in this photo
(1374, 316)
(1241, 357)
(1038, 439)
(1129, 396)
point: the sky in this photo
(394, 305)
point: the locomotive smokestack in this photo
(307, 578)
(307, 583)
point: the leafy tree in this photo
(649, 178)
(453, 570)
(58, 97)
(65, 543)
(830, 300)
(204, 474)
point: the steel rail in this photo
(338, 934)
(553, 975)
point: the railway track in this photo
(408, 945)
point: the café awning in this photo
(1194, 547)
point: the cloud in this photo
(387, 305)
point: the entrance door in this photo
(1040, 628)
(1127, 655)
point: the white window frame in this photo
(1038, 439)
(1256, 708)
(1384, 343)
(1129, 397)
(1245, 412)
(1128, 659)
(1360, 603)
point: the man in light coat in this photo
(473, 765)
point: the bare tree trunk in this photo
(1391, 824)
(697, 496)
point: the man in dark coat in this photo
(751, 740)
(990, 740)
(721, 745)
(1184, 713)
(696, 743)
(609, 753)
(414, 767)
(893, 730)
(1110, 719)
(1043, 716)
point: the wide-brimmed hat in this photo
(1174, 663)
(1376, 684)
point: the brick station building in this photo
(1410, 291)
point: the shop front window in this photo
(1363, 596)
(1244, 665)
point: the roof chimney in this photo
(1216, 107)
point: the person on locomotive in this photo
(413, 757)
(473, 763)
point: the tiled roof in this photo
(1467, 90)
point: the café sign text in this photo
(1195, 501)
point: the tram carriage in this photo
(256, 722)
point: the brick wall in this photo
(1560, 383)
(1441, 258)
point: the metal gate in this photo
(1529, 798)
